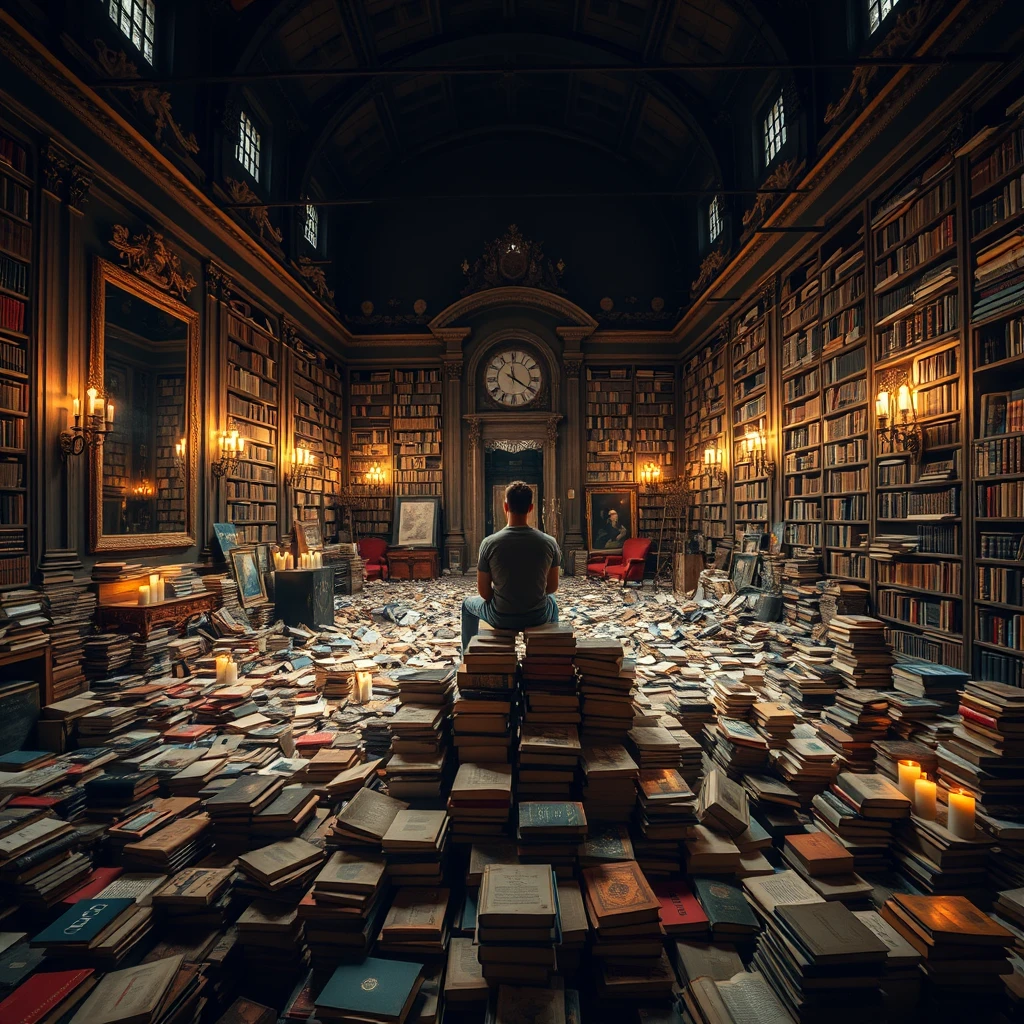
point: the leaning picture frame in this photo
(417, 523)
(307, 536)
(262, 557)
(611, 517)
(751, 543)
(226, 535)
(251, 588)
(744, 567)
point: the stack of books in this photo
(862, 655)
(490, 652)
(867, 840)
(233, 808)
(901, 979)
(653, 746)
(479, 802)
(374, 990)
(416, 845)
(481, 720)
(609, 786)
(362, 823)
(157, 992)
(549, 832)
(430, 687)
(965, 952)
(343, 910)
(288, 815)
(722, 804)
(415, 776)
(281, 872)
(270, 935)
(730, 918)
(196, 898)
(807, 764)
(774, 721)
(418, 751)
(941, 683)
(666, 816)
(416, 924)
(465, 988)
(851, 726)
(607, 680)
(736, 747)
(549, 757)
(550, 695)
(171, 848)
(517, 923)
(827, 866)
(99, 932)
(937, 861)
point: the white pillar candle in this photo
(924, 798)
(910, 772)
(160, 588)
(363, 687)
(232, 673)
(144, 594)
(289, 561)
(154, 582)
(222, 668)
(961, 815)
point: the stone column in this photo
(551, 455)
(575, 440)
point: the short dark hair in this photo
(518, 497)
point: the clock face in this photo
(513, 378)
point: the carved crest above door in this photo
(513, 260)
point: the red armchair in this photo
(374, 552)
(627, 567)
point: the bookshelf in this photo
(371, 407)
(308, 423)
(995, 179)
(654, 403)
(16, 283)
(253, 373)
(417, 432)
(711, 386)
(171, 511)
(749, 400)
(609, 425)
(800, 310)
(845, 405)
(916, 256)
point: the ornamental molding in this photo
(453, 369)
(315, 278)
(513, 447)
(513, 260)
(709, 266)
(149, 256)
(782, 177)
(241, 192)
(533, 298)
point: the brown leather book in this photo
(620, 894)
(817, 854)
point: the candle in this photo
(903, 399)
(223, 660)
(160, 588)
(961, 814)
(882, 405)
(92, 401)
(924, 798)
(154, 580)
(144, 594)
(910, 772)
(76, 407)
(289, 561)
(362, 687)
(110, 412)
(231, 677)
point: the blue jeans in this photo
(475, 608)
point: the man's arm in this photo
(552, 584)
(484, 588)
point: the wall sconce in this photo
(376, 477)
(650, 476)
(302, 460)
(896, 412)
(181, 457)
(143, 489)
(755, 444)
(713, 464)
(230, 448)
(99, 421)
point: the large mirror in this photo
(145, 354)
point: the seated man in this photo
(516, 573)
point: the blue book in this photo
(19, 760)
(83, 922)
(381, 989)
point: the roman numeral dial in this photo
(513, 378)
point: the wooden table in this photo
(413, 564)
(142, 618)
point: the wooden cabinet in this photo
(414, 564)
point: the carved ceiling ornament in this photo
(149, 256)
(782, 177)
(155, 102)
(907, 26)
(240, 192)
(513, 260)
(709, 266)
(312, 272)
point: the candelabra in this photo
(143, 489)
(755, 444)
(896, 412)
(99, 421)
(230, 448)
(181, 458)
(713, 465)
(650, 476)
(302, 461)
(376, 478)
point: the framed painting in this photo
(226, 536)
(251, 589)
(308, 536)
(263, 557)
(744, 567)
(751, 543)
(417, 523)
(611, 517)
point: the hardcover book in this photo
(375, 989)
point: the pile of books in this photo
(363, 822)
(851, 726)
(549, 832)
(607, 681)
(609, 786)
(482, 716)
(479, 803)
(416, 924)
(862, 655)
(666, 815)
(548, 677)
(416, 847)
(549, 757)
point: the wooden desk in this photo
(141, 618)
(413, 564)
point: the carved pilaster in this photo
(475, 433)
(572, 368)
(219, 284)
(79, 183)
(451, 425)
(55, 169)
(453, 370)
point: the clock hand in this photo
(512, 374)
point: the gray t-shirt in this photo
(518, 559)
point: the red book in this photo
(315, 739)
(680, 912)
(99, 879)
(977, 716)
(32, 1000)
(187, 733)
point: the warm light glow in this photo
(882, 405)
(375, 476)
(302, 457)
(903, 399)
(76, 408)
(92, 393)
(650, 473)
(110, 412)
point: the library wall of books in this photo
(309, 713)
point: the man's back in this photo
(518, 559)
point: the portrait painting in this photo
(251, 590)
(417, 523)
(611, 517)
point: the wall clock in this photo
(513, 378)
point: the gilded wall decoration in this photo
(899, 36)
(709, 267)
(513, 260)
(312, 272)
(240, 192)
(149, 256)
(782, 177)
(155, 102)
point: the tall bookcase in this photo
(16, 283)
(915, 259)
(654, 404)
(706, 382)
(609, 425)
(172, 516)
(252, 386)
(750, 411)
(417, 432)
(995, 184)
(371, 406)
(800, 308)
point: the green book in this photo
(726, 907)
(541, 815)
(378, 989)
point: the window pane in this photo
(312, 225)
(878, 10)
(137, 20)
(714, 219)
(774, 131)
(247, 150)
